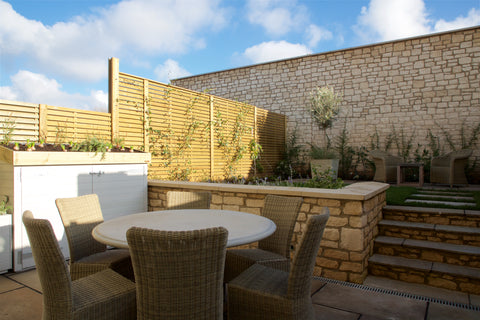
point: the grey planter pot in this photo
(318, 166)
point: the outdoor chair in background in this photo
(178, 274)
(103, 295)
(79, 216)
(450, 168)
(261, 292)
(274, 250)
(385, 166)
(188, 200)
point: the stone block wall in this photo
(408, 87)
(348, 238)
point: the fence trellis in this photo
(190, 134)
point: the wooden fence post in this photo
(212, 145)
(146, 120)
(113, 92)
(42, 122)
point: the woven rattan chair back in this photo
(303, 263)
(188, 200)
(284, 212)
(52, 269)
(178, 274)
(79, 216)
(103, 295)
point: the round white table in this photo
(242, 227)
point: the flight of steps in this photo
(436, 247)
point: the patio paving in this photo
(377, 298)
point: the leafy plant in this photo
(92, 144)
(4, 209)
(324, 105)
(7, 129)
(317, 152)
(345, 152)
(289, 166)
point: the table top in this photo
(242, 227)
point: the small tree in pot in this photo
(324, 107)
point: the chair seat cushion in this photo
(239, 260)
(117, 259)
(104, 290)
(264, 279)
(106, 257)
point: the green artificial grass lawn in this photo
(397, 196)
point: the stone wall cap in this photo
(357, 191)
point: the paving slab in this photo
(21, 304)
(328, 313)
(369, 304)
(28, 278)
(7, 285)
(419, 290)
(437, 311)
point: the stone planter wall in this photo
(348, 239)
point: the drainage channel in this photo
(400, 294)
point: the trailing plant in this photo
(404, 144)
(231, 142)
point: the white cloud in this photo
(37, 88)
(277, 17)
(274, 50)
(170, 70)
(315, 34)
(472, 19)
(393, 19)
(79, 49)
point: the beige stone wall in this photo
(348, 238)
(410, 86)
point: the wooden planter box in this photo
(34, 179)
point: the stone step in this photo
(440, 202)
(461, 255)
(430, 232)
(453, 217)
(437, 274)
(443, 197)
(445, 193)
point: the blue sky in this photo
(56, 51)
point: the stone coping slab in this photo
(360, 191)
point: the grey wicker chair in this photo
(274, 250)
(450, 168)
(103, 295)
(178, 274)
(266, 293)
(188, 200)
(79, 216)
(385, 166)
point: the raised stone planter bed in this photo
(348, 238)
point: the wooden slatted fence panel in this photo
(272, 137)
(66, 124)
(22, 118)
